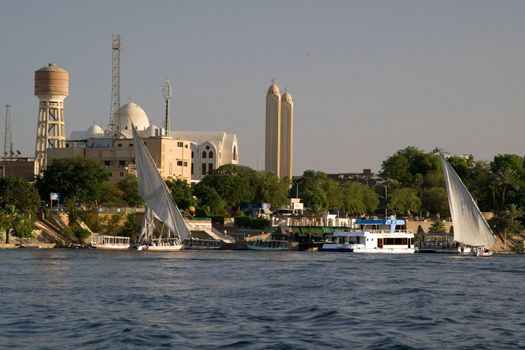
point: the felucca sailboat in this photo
(160, 205)
(470, 227)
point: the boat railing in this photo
(388, 232)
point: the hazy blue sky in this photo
(368, 77)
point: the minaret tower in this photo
(286, 155)
(273, 130)
(51, 88)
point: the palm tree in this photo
(514, 212)
(506, 178)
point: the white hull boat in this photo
(470, 227)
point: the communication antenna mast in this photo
(114, 121)
(8, 142)
(166, 92)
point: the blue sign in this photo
(54, 196)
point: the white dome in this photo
(153, 130)
(95, 131)
(132, 113)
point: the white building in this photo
(209, 150)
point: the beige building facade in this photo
(279, 132)
(172, 156)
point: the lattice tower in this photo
(114, 121)
(166, 92)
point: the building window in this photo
(191, 168)
(203, 154)
(203, 168)
(192, 155)
(107, 162)
(186, 146)
(207, 147)
(210, 155)
(121, 173)
(119, 145)
(121, 163)
(210, 168)
(185, 163)
(130, 145)
(234, 153)
(179, 162)
(180, 144)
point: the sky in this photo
(368, 78)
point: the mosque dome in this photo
(95, 131)
(153, 130)
(274, 89)
(132, 113)
(287, 97)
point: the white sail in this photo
(148, 225)
(470, 227)
(156, 194)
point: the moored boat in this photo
(374, 236)
(338, 242)
(111, 243)
(269, 244)
(471, 229)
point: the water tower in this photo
(51, 88)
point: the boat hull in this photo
(171, 248)
(335, 248)
(112, 247)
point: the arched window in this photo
(192, 155)
(210, 155)
(234, 152)
(203, 154)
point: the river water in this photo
(88, 299)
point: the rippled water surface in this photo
(71, 299)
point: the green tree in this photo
(181, 193)
(409, 167)
(129, 228)
(403, 201)
(130, 188)
(506, 179)
(334, 195)
(231, 182)
(19, 203)
(435, 201)
(508, 161)
(358, 198)
(312, 190)
(112, 195)
(437, 227)
(20, 193)
(209, 201)
(78, 180)
(268, 188)
(514, 212)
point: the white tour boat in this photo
(374, 236)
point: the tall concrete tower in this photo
(286, 154)
(273, 130)
(51, 88)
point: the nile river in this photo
(87, 299)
